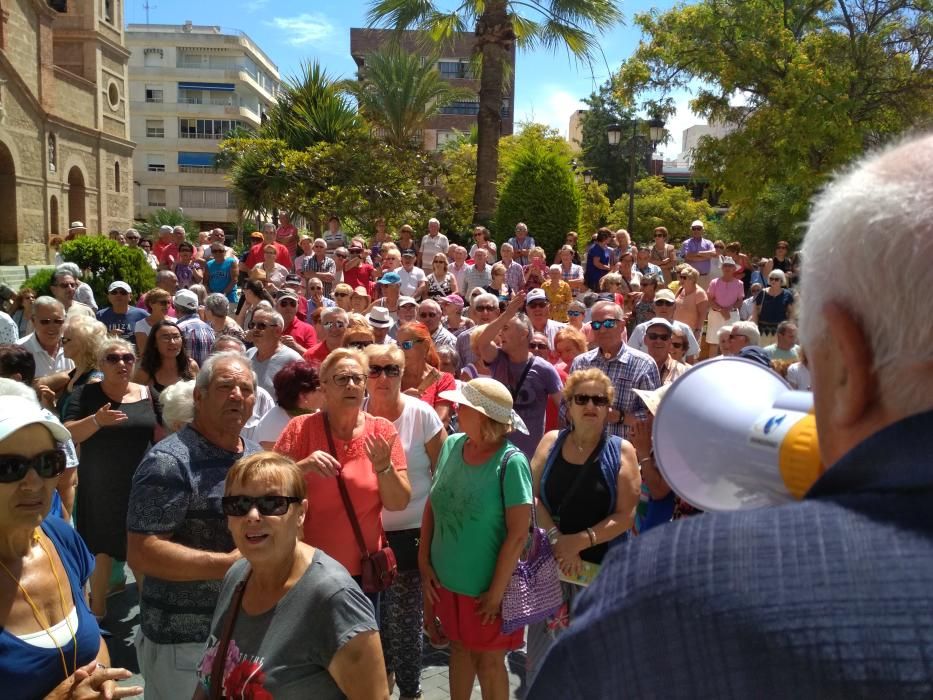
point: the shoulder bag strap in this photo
(345, 494)
(217, 670)
(521, 379)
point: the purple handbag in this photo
(534, 593)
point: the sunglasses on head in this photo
(598, 401)
(607, 324)
(238, 506)
(124, 357)
(48, 465)
(662, 302)
(658, 336)
(388, 370)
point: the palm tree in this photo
(398, 94)
(498, 24)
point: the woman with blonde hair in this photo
(359, 333)
(341, 293)
(278, 584)
(691, 304)
(441, 281)
(568, 343)
(535, 271)
(81, 337)
(360, 300)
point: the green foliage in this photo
(104, 261)
(457, 183)
(530, 135)
(398, 93)
(608, 163)
(594, 208)
(540, 191)
(167, 217)
(40, 283)
(659, 204)
(822, 81)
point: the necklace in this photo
(40, 618)
(580, 448)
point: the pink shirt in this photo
(725, 294)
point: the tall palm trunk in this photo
(494, 37)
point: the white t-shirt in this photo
(142, 325)
(410, 280)
(418, 423)
(490, 247)
(431, 247)
(271, 425)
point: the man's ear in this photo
(854, 380)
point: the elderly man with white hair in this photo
(64, 287)
(268, 354)
(484, 308)
(430, 314)
(433, 243)
(828, 597)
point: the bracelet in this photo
(649, 458)
(94, 419)
(552, 535)
(383, 471)
(592, 536)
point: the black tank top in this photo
(579, 505)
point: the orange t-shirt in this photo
(327, 525)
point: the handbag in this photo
(377, 569)
(217, 669)
(533, 593)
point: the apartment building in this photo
(190, 85)
(455, 66)
(65, 148)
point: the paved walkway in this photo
(123, 621)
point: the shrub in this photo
(40, 283)
(104, 261)
(540, 191)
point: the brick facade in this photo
(64, 124)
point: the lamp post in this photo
(614, 135)
(587, 176)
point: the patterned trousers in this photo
(400, 627)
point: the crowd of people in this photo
(254, 433)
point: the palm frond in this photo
(399, 14)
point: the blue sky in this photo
(548, 85)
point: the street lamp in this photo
(614, 135)
(587, 176)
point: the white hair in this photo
(177, 401)
(433, 220)
(276, 317)
(330, 312)
(749, 330)
(888, 194)
(617, 312)
(778, 273)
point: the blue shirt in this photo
(219, 276)
(829, 597)
(124, 323)
(693, 246)
(593, 273)
(30, 672)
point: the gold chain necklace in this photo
(40, 618)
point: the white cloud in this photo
(304, 29)
(551, 105)
(255, 5)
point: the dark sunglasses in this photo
(658, 336)
(485, 308)
(607, 324)
(359, 344)
(427, 314)
(48, 465)
(287, 302)
(116, 358)
(661, 302)
(598, 401)
(678, 346)
(340, 255)
(258, 325)
(238, 506)
(538, 346)
(536, 304)
(388, 370)
(574, 313)
(696, 228)
(341, 294)
(56, 321)
(120, 292)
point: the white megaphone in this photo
(730, 434)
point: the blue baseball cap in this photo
(390, 278)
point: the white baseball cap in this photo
(17, 412)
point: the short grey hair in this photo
(331, 311)
(522, 320)
(62, 272)
(227, 338)
(778, 273)
(177, 402)
(520, 226)
(69, 268)
(449, 352)
(485, 297)
(179, 229)
(109, 343)
(617, 312)
(268, 226)
(749, 330)
(429, 303)
(434, 220)
(217, 304)
(47, 302)
(271, 313)
(163, 275)
(206, 373)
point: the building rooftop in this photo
(188, 28)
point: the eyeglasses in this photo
(662, 302)
(658, 336)
(696, 228)
(538, 346)
(238, 506)
(774, 279)
(287, 302)
(536, 304)
(47, 321)
(387, 370)
(659, 235)
(344, 379)
(119, 292)
(485, 308)
(359, 344)
(574, 313)
(678, 346)
(114, 358)
(67, 285)
(331, 325)
(409, 344)
(340, 255)
(340, 295)
(608, 324)
(598, 401)
(316, 289)
(428, 314)
(48, 465)
(718, 247)
(259, 325)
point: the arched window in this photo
(116, 177)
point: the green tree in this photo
(822, 81)
(540, 191)
(500, 25)
(398, 93)
(167, 217)
(104, 261)
(594, 208)
(660, 204)
(458, 168)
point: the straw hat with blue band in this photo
(489, 397)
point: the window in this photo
(445, 136)
(154, 94)
(155, 163)
(153, 57)
(108, 10)
(205, 128)
(116, 177)
(456, 69)
(468, 107)
(189, 97)
(206, 198)
(155, 128)
(113, 95)
(156, 198)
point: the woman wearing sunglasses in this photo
(113, 421)
(359, 334)
(300, 628)
(422, 378)
(422, 434)
(80, 339)
(587, 486)
(364, 450)
(50, 644)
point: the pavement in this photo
(123, 621)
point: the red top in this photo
(317, 354)
(163, 250)
(287, 235)
(327, 525)
(281, 256)
(360, 276)
(444, 383)
(301, 332)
